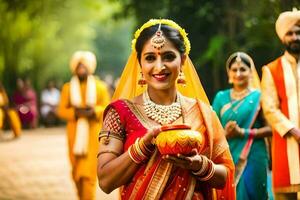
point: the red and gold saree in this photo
(158, 179)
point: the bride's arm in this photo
(115, 167)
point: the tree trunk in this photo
(10, 71)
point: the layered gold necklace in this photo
(237, 95)
(162, 114)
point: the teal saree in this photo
(252, 183)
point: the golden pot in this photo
(179, 139)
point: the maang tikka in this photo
(239, 61)
(238, 58)
(158, 40)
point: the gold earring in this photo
(181, 78)
(142, 81)
(230, 81)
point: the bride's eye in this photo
(169, 56)
(150, 58)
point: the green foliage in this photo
(215, 46)
(113, 46)
(40, 36)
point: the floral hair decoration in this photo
(168, 22)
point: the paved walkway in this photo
(36, 167)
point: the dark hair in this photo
(243, 58)
(170, 33)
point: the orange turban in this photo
(85, 57)
(286, 21)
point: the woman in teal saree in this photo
(239, 111)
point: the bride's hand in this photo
(150, 136)
(191, 162)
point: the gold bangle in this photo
(144, 148)
(210, 172)
(131, 157)
(138, 149)
(135, 153)
(203, 168)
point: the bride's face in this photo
(161, 67)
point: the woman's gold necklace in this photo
(239, 95)
(162, 114)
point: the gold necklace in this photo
(239, 95)
(162, 114)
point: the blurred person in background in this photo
(25, 101)
(50, 97)
(8, 114)
(82, 103)
(281, 105)
(109, 80)
(239, 110)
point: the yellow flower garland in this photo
(168, 22)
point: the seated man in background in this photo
(49, 100)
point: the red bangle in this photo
(252, 132)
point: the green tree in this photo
(39, 37)
(113, 45)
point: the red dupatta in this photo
(280, 167)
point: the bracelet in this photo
(144, 148)
(242, 132)
(252, 132)
(210, 173)
(136, 154)
(203, 168)
(132, 157)
(138, 149)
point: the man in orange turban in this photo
(281, 105)
(82, 103)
